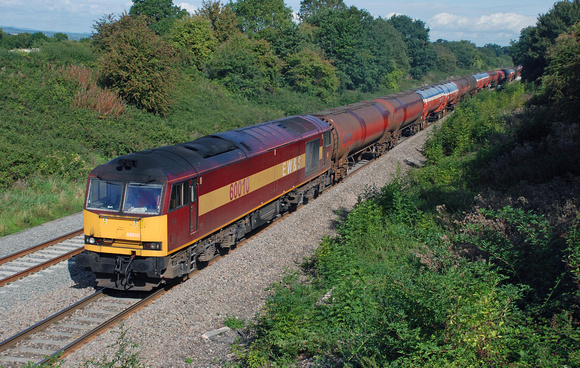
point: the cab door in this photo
(193, 210)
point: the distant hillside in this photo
(71, 36)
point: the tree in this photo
(494, 56)
(245, 66)
(37, 39)
(343, 35)
(222, 18)
(495, 48)
(446, 60)
(18, 41)
(465, 52)
(388, 46)
(308, 72)
(194, 37)
(135, 62)
(309, 8)
(531, 48)
(60, 37)
(261, 18)
(419, 49)
(270, 20)
(162, 13)
(561, 82)
(410, 29)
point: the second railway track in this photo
(23, 263)
(70, 328)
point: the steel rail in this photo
(11, 341)
(40, 266)
(103, 327)
(40, 246)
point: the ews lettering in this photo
(291, 166)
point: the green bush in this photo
(67, 53)
(381, 298)
(307, 72)
(136, 63)
(245, 66)
(194, 37)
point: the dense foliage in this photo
(421, 52)
(135, 62)
(549, 54)
(561, 81)
(161, 13)
(136, 50)
(421, 275)
(222, 18)
(195, 39)
(530, 51)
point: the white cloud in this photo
(495, 28)
(187, 6)
(498, 22)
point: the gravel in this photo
(170, 331)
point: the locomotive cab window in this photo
(312, 156)
(179, 195)
(104, 195)
(142, 198)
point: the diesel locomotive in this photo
(156, 215)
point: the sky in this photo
(481, 22)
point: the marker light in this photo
(152, 245)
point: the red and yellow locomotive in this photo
(153, 215)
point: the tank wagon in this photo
(156, 215)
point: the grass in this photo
(38, 201)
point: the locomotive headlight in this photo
(93, 241)
(152, 245)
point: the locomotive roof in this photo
(206, 153)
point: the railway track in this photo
(21, 264)
(68, 329)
